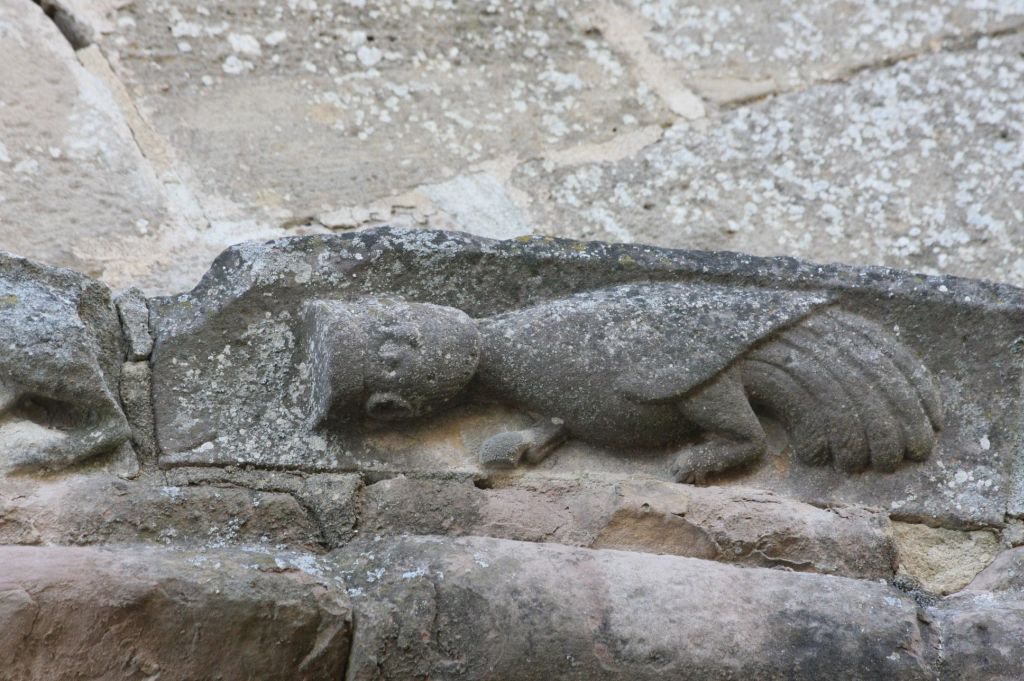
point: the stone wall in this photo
(274, 467)
(169, 478)
(876, 133)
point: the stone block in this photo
(475, 608)
(731, 525)
(387, 96)
(99, 508)
(75, 190)
(913, 166)
(745, 50)
(117, 613)
(232, 375)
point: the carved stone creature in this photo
(638, 366)
(60, 350)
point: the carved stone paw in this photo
(505, 450)
(689, 468)
(32, 447)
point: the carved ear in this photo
(653, 383)
(337, 347)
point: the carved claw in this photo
(504, 450)
(694, 465)
(685, 469)
(508, 450)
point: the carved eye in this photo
(402, 334)
(391, 355)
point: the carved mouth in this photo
(389, 407)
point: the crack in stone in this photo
(78, 34)
(948, 44)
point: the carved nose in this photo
(388, 407)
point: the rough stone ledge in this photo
(206, 508)
(467, 608)
(982, 635)
(464, 608)
(732, 525)
(471, 607)
(1006, 573)
(208, 511)
(137, 613)
(210, 508)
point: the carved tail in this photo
(846, 391)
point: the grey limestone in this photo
(731, 53)
(133, 311)
(233, 373)
(59, 371)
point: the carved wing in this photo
(846, 391)
(648, 342)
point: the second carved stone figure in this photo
(637, 367)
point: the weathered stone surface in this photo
(329, 499)
(232, 374)
(134, 614)
(1004, 574)
(745, 527)
(420, 114)
(387, 96)
(83, 21)
(62, 352)
(134, 314)
(983, 637)
(892, 135)
(649, 366)
(74, 189)
(101, 508)
(475, 608)
(633, 366)
(1013, 533)
(914, 166)
(982, 627)
(443, 607)
(751, 48)
(943, 561)
(136, 400)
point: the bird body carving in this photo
(647, 365)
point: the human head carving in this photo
(387, 359)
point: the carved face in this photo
(385, 358)
(420, 357)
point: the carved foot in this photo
(693, 466)
(734, 435)
(686, 469)
(53, 450)
(508, 450)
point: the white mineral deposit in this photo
(517, 340)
